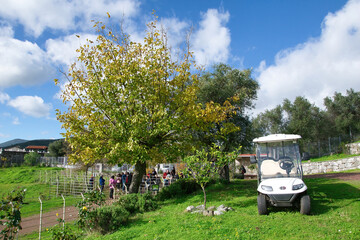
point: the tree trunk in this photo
(203, 188)
(225, 174)
(139, 172)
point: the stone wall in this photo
(331, 166)
(354, 148)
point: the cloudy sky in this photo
(296, 48)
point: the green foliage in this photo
(137, 203)
(62, 232)
(10, 214)
(240, 89)
(203, 165)
(31, 159)
(87, 208)
(345, 111)
(58, 148)
(110, 218)
(181, 187)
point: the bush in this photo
(135, 203)
(110, 218)
(180, 187)
(31, 159)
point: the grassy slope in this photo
(27, 177)
(335, 215)
(331, 157)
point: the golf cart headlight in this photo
(298, 186)
(267, 188)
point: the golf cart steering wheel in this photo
(286, 163)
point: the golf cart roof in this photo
(277, 138)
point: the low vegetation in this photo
(332, 157)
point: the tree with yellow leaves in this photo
(131, 103)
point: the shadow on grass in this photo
(331, 195)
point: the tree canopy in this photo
(132, 103)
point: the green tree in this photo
(31, 159)
(306, 119)
(131, 103)
(269, 122)
(203, 165)
(58, 148)
(345, 111)
(224, 84)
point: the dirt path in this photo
(49, 219)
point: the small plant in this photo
(203, 165)
(10, 213)
(87, 207)
(135, 203)
(110, 218)
(179, 188)
(62, 231)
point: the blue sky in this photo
(295, 48)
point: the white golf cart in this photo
(280, 173)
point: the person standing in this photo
(91, 183)
(112, 184)
(101, 183)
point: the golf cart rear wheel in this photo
(262, 205)
(305, 205)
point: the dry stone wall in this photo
(331, 166)
(354, 148)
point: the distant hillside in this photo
(12, 143)
(25, 143)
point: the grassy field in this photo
(331, 157)
(28, 177)
(335, 215)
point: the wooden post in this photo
(40, 218)
(63, 211)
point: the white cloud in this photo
(6, 30)
(63, 50)
(319, 67)
(4, 97)
(22, 63)
(16, 121)
(211, 42)
(37, 15)
(31, 105)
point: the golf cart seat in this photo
(270, 168)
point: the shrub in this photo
(180, 187)
(31, 159)
(135, 203)
(87, 207)
(110, 218)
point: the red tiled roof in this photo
(37, 147)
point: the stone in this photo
(208, 213)
(189, 209)
(200, 207)
(218, 212)
(212, 208)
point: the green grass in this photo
(28, 177)
(335, 215)
(331, 157)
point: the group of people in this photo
(167, 176)
(121, 182)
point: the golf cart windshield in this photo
(278, 160)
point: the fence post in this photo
(63, 211)
(57, 185)
(40, 218)
(319, 149)
(329, 146)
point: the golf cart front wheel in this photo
(262, 205)
(305, 205)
